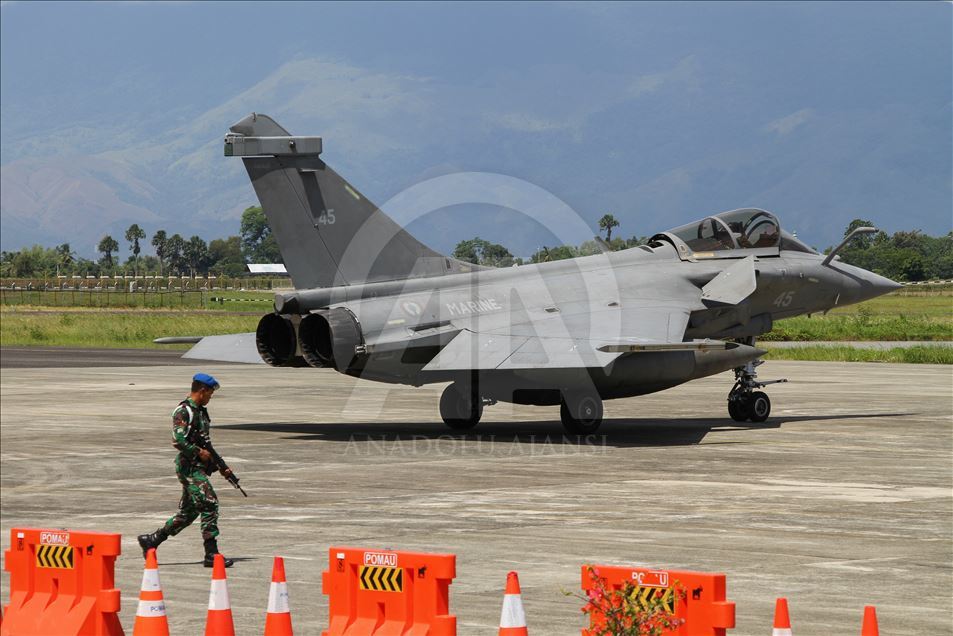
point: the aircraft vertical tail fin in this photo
(328, 232)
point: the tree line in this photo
(903, 256)
(174, 255)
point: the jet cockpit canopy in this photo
(733, 234)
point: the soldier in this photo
(192, 469)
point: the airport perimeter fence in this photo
(135, 293)
(106, 298)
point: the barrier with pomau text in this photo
(61, 582)
(388, 593)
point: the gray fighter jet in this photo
(373, 302)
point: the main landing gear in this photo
(461, 405)
(744, 402)
(581, 412)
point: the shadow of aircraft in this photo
(620, 433)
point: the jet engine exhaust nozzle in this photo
(276, 342)
(315, 340)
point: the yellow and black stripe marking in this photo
(54, 556)
(655, 596)
(382, 579)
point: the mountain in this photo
(816, 113)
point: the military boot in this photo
(211, 549)
(149, 541)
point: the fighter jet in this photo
(373, 302)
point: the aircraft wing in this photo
(580, 337)
(237, 347)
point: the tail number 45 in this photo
(326, 218)
(784, 299)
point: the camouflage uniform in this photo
(198, 496)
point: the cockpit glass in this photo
(747, 229)
(708, 235)
(752, 228)
(739, 229)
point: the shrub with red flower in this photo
(628, 610)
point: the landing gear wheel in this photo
(581, 413)
(744, 401)
(758, 406)
(738, 409)
(460, 408)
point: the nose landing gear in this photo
(744, 401)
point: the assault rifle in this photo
(202, 441)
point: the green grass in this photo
(918, 355)
(903, 315)
(862, 326)
(113, 329)
(937, 303)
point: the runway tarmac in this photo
(844, 497)
(65, 357)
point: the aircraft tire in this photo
(738, 409)
(459, 409)
(581, 413)
(758, 406)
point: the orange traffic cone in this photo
(219, 621)
(512, 619)
(150, 617)
(869, 626)
(278, 618)
(782, 621)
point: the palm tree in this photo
(607, 222)
(133, 234)
(64, 257)
(107, 246)
(175, 246)
(160, 242)
(195, 253)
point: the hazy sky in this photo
(659, 113)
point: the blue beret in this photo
(207, 380)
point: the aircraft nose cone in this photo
(855, 284)
(873, 285)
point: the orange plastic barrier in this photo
(388, 593)
(704, 609)
(61, 582)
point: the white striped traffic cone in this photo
(782, 620)
(219, 621)
(513, 619)
(150, 616)
(278, 618)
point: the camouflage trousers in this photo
(198, 498)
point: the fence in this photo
(148, 293)
(151, 283)
(174, 299)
